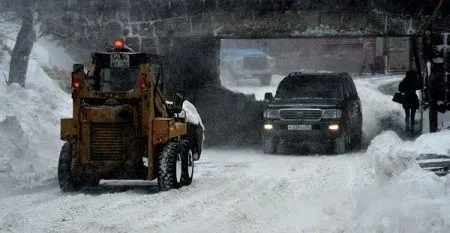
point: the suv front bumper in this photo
(303, 131)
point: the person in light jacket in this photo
(408, 87)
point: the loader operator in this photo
(113, 79)
(121, 79)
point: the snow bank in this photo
(391, 156)
(29, 134)
(378, 110)
(438, 143)
(401, 196)
(30, 126)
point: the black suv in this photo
(319, 108)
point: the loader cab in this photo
(119, 71)
(111, 79)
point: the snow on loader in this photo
(122, 126)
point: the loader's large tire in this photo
(65, 178)
(170, 159)
(187, 163)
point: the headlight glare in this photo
(333, 127)
(268, 126)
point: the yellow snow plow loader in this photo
(122, 126)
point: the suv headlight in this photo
(272, 113)
(331, 113)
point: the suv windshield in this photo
(118, 79)
(309, 87)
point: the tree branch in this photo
(52, 33)
(7, 49)
(10, 19)
(42, 34)
(6, 79)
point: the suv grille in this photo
(253, 63)
(107, 141)
(301, 114)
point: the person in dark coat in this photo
(408, 86)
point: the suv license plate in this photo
(299, 127)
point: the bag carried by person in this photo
(399, 98)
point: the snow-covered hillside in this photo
(30, 117)
(29, 121)
(381, 189)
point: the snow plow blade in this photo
(439, 164)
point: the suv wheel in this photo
(356, 140)
(270, 145)
(341, 144)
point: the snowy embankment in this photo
(391, 192)
(378, 110)
(395, 194)
(29, 134)
(30, 119)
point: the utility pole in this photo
(386, 46)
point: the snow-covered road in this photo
(233, 191)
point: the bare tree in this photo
(26, 37)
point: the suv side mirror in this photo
(178, 101)
(268, 96)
